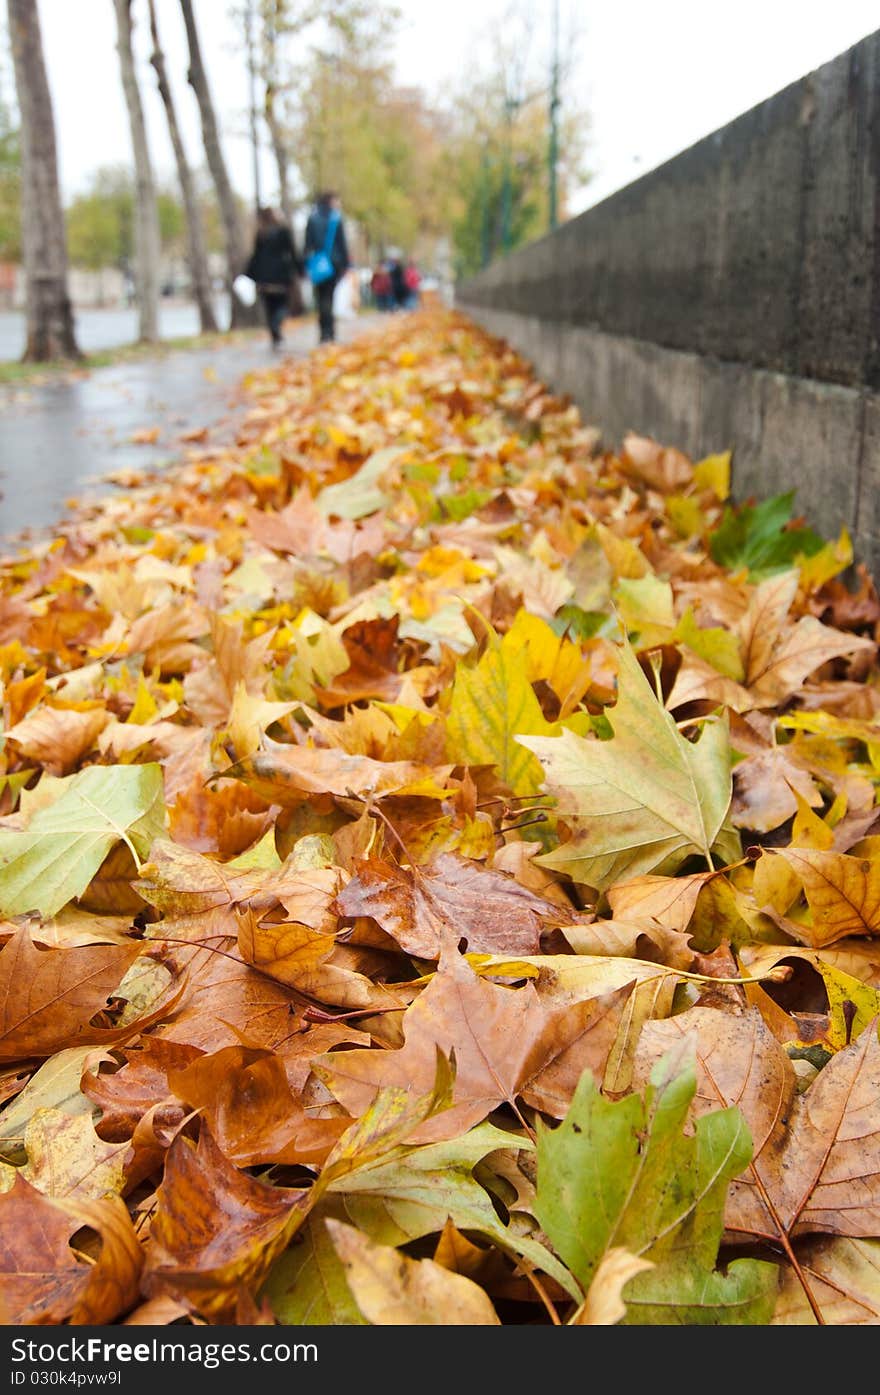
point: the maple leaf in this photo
(215, 1229)
(58, 737)
(48, 997)
(643, 799)
(244, 1095)
(43, 1280)
(492, 705)
(843, 893)
(391, 1289)
(625, 1175)
(504, 1039)
(488, 909)
(54, 857)
(816, 1163)
(288, 775)
(844, 1279)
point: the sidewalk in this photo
(59, 439)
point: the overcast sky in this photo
(655, 76)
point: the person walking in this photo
(272, 267)
(327, 259)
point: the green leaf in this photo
(624, 1174)
(717, 646)
(755, 536)
(644, 799)
(306, 1285)
(53, 859)
(415, 1194)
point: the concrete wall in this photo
(730, 298)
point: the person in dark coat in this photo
(327, 205)
(272, 267)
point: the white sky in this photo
(656, 75)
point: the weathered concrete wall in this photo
(730, 298)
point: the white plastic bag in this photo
(245, 290)
(343, 298)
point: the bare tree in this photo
(232, 231)
(197, 255)
(146, 238)
(50, 331)
(275, 21)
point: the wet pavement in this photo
(59, 439)
(112, 327)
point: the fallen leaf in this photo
(49, 997)
(215, 1229)
(393, 1290)
(646, 798)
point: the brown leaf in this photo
(58, 737)
(244, 1095)
(48, 997)
(226, 1001)
(843, 894)
(374, 669)
(288, 775)
(42, 1280)
(125, 1095)
(489, 910)
(215, 1230)
(502, 1039)
(816, 1161)
(661, 467)
(844, 1278)
(210, 689)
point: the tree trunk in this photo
(235, 254)
(147, 247)
(276, 135)
(50, 331)
(195, 236)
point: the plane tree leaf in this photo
(644, 799)
(49, 997)
(492, 705)
(393, 1290)
(625, 1174)
(490, 910)
(52, 860)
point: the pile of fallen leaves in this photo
(439, 876)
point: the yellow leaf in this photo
(393, 1290)
(604, 1304)
(645, 606)
(843, 893)
(249, 717)
(622, 555)
(491, 706)
(834, 557)
(549, 656)
(713, 472)
(643, 800)
(807, 829)
(685, 515)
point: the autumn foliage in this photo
(439, 876)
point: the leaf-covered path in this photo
(439, 876)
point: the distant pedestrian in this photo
(327, 259)
(398, 284)
(380, 285)
(272, 267)
(412, 281)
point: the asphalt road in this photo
(59, 439)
